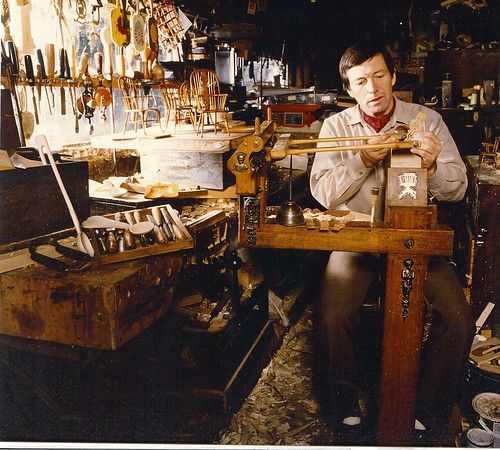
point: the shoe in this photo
(422, 438)
(358, 434)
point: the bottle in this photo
(486, 331)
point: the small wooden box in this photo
(32, 205)
(102, 308)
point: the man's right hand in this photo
(371, 158)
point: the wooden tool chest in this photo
(102, 308)
(32, 204)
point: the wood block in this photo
(405, 158)
(406, 187)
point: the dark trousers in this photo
(347, 279)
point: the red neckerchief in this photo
(377, 123)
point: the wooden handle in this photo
(50, 60)
(137, 216)
(83, 65)
(281, 153)
(155, 211)
(129, 240)
(129, 217)
(98, 60)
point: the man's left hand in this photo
(429, 150)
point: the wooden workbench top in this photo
(183, 138)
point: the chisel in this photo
(30, 76)
(43, 75)
(62, 75)
(11, 47)
(168, 223)
(157, 215)
(50, 69)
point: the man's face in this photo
(370, 84)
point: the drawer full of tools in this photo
(137, 234)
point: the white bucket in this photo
(487, 405)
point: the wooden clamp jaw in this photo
(249, 164)
(249, 158)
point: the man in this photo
(344, 180)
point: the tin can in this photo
(478, 438)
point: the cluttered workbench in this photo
(93, 317)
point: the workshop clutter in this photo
(137, 234)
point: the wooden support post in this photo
(403, 332)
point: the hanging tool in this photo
(72, 90)
(11, 47)
(62, 75)
(101, 95)
(120, 25)
(7, 71)
(43, 76)
(38, 86)
(76, 113)
(107, 44)
(30, 76)
(87, 98)
(27, 117)
(50, 69)
(27, 43)
(138, 29)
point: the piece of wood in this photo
(406, 187)
(138, 30)
(120, 30)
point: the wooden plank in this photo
(358, 236)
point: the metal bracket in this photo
(251, 212)
(407, 277)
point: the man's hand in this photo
(371, 158)
(429, 150)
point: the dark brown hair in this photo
(359, 53)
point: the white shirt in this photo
(340, 180)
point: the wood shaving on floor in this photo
(282, 408)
